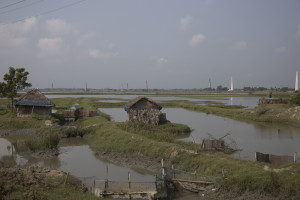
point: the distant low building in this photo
(143, 109)
(33, 102)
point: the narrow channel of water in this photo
(250, 137)
(79, 161)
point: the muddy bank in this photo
(131, 160)
(26, 182)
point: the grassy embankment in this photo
(40, 183)
(157, 143)
(241, 175)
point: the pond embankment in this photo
(39, 183)
(134, 145)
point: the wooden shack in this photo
(143, 109)
(33, 102)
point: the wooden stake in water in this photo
(129, 184)
(163, 169)
(106, 180)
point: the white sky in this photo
(170, 43)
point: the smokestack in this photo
(231, 84)
(296, 82)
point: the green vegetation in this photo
(10, 120)
(296, 99)
(160, 142)
(15, 80)
(240, 175)
(25, 184)
(44, 142)
(164, 133)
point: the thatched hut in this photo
(143, 109)
(33, 102)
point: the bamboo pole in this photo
(129, 182)
(163, 168)
(189, 181)
(66, 178)
(106, 180)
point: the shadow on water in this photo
(76, 158)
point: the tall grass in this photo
(49, 141)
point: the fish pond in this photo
(246, 136)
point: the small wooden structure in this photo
(69, 115)
(213, 144)
(274, 159)
(143, 109)
(33, 102)
(79, 113)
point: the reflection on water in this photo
(110, 101)
(249, 102)
(6, 148)
(250, 137)
(79, 161)
(117, 114)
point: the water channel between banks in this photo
(249, 102)
(79, 161)
(250, 137)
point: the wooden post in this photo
(106, 180)
(295, 155)
(223, 174)
(12, 150)
(129, 183)
(173, 172)
(163, 169)
(255, 156)
(66, 178)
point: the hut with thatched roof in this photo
(143, 109)
(33, 102)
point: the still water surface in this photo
(249, 102)
(79, 161)
(250, 137)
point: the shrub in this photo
(296, 99)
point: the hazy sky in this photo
(170, 43)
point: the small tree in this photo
(270, 94)
(15, 80)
